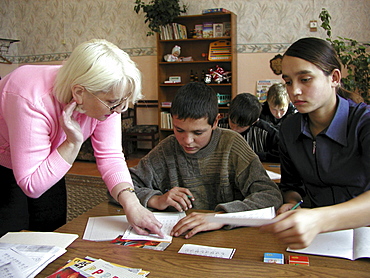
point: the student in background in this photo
(46, 113)
(243, 117)
(325, 148)
(277, 105)
(202, 166)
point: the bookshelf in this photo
(198, 49)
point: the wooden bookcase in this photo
(196, 48)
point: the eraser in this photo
(273, 258)
(298, 260)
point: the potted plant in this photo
(354, 57)
(159, 13)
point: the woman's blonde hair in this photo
(99, 66)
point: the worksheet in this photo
(107, 228)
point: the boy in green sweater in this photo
(202, 166)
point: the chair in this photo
(138, 133)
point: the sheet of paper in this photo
(107, 228)
(61, 240)
(208, 251)
(104, 228)
(252, 218)
(333, 244)
(168, 220)
(21, 255)
(273, 175)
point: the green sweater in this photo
(226, 175)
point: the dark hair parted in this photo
(195, 100)
(323, 55)
(244, 109)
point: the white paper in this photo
(251, 218)
(168, 220)
(273, 175)
(105, 228)
(30, 259)
(61, 240)
(208, 251)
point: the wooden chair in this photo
(139, 133)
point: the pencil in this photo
(297, 205)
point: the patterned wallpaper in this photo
(49, 30)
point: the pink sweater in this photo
(30, 133)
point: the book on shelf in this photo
(166, 120)
(198, 31)
(218, 30)
(207, 29)
(215, 10)
(227, 29)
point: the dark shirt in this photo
(262, 137)
(268, 117)
(334, 167)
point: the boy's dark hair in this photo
(195, 100)
(244, 109)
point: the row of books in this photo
(166, 120)
(173, 31)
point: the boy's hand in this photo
(178, 197)
(195, 222)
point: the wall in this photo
(49, 30)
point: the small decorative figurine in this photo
(174, 57)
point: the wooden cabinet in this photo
(198, 49)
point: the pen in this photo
(297, 205)
(277, 166)
(190, 197)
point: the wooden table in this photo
(250, 247)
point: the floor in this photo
(85, 188)
(90, 169)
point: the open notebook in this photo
(349, 244)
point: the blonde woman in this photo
(46, 113)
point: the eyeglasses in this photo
(111, 108)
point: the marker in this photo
(190, 197)
(297, 205)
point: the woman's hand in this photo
(195, 222)
(178, 197)
(296, 228)
(143, 221)
(71, 146)
(70, 126)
